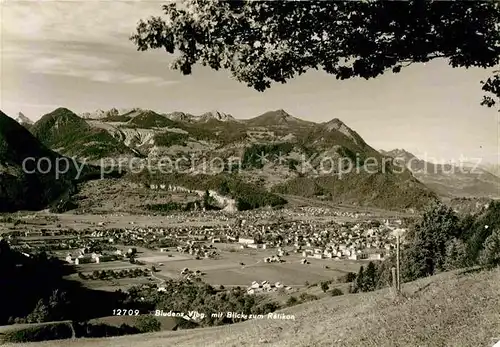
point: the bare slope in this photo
(451, 309)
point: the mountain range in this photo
(127, 114)
(276, 151)
(450, 180)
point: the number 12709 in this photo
(123, 312)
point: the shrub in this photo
(148, 324)
(347, 278)
(58, 331)
(336, 292)
(426, 253)
(292, 301)
(305, 297)
(478, 232)
(490, 255)
(168, 139)
(456, 255)
(86, 329)
(254, 155)
(324, 286)
(62, 206)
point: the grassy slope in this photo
(451, 309)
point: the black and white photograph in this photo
(203, 173)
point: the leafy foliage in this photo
(336, 292)
(347, 278)
(168, 139)
(49, 310)
(362, 188)
(492, 86)
(306, 297)
(199, 131)
(86, 329)
(456, 254)
(148, 324)
(292, 301)
(441, 241)
(428, 246)
(481, 229)
(324, 286)
(264, 42)
(256, 155)
(490, 255)
(55, 331)
(366, 279)
(185, 296)
(167, 207)
(63, 205)
(247, 195)
(250, 197)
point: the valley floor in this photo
(450, 309)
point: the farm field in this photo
(288, 274)
(83, 221)
(109, 265)
(111, 285)
(162, 257)
(112, 219)
(155, 257)
(228, 271)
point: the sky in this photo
(76, 54)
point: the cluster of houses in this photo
(273, 259)
(342, 253)
(198, 249)
(83, 256)
(354, 241)
(265, 286)
(360, 238)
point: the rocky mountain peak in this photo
(337, 125)
(22, 119)
(399, 153)
(217, 115)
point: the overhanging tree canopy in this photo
(262, 42)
